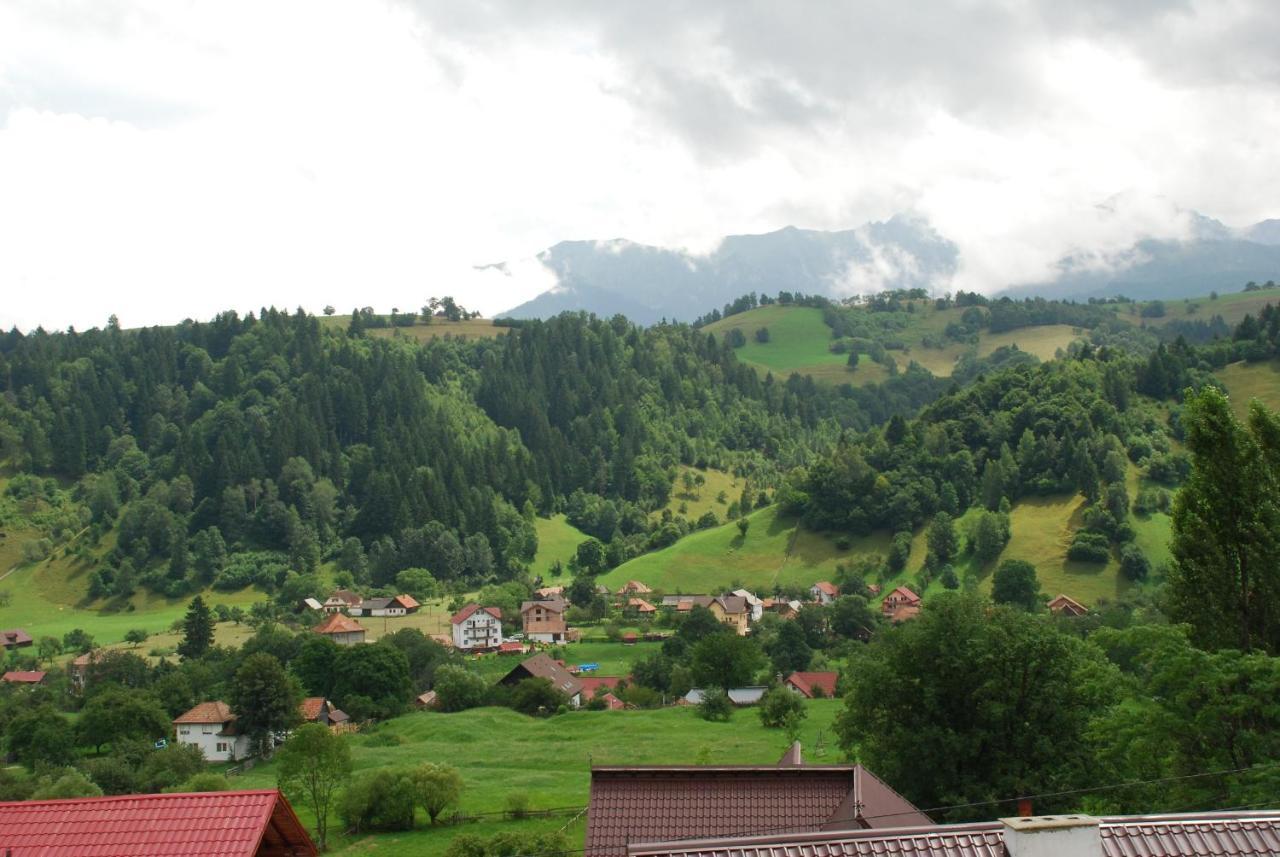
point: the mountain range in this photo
(648, 283)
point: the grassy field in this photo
(1043, 341)
(1246, 381)
(557, 540)
(500, 752)
(1232, 307)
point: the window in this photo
(222, 747)
(207, 729)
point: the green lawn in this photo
(775, 551)
(702, 498)
(557, 540)
(798, 338)
(499, 752)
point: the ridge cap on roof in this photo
(792, 770)
(166, 795)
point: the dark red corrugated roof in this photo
(652, 803)
(212, 824)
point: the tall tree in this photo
(968, 703)
(264, 698)
(1015, 583)
(1225, 579)
(197, 630)
(314, 764)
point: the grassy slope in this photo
(557, 540)
(1246, 381)
(48, 599)
(472, 328)
(499, 752)
(1232, 307)
(702, 498)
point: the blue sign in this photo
(588, 668)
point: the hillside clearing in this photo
(1246, 381)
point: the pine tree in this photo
(197, 630)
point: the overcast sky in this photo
(161, 159)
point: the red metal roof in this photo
(651, 803)
(15, 637)
(24, 676)
(465, 613)
(213, 824)
(1238, 834)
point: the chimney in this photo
(1052, 836)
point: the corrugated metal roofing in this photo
(636, 804)
(1228, 834)
(214, 824)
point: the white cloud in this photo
(162, 160)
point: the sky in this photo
(165, 159)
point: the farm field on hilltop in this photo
(499, 752)
(1233, 307)
(703, 498)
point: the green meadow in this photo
(500, 752)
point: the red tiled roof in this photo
(465, 613)
(639, 804)
(24, 676)
(212, 824)
(338, 624)
(409, 602)
(805, 682)
(207, 712)
(310, 708)
(511, 647)
(827, 588)
(905, 594)
(1239, 834)
(612, 703)
(641, 605)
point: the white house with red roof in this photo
(477, 628)
(900, 605)
(813, 685)
(212, 727)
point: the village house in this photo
(15, 638)
(477, 628)
(663, 803)
(543, 665)
(315, 709)
(824, 592)
(312, 604)
(634, 587)
(78, 669)
(207, 824)
(341, 601)
(543, 621)
(396, 605)
(813, 685)
(212, 727)
(428, 701)
(25, 678)
(900, 605)
(640, 607)
(340, 629)
(732, 610)
(782, 607)
(1065, 605)
(754, 604)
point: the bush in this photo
(378, 800)
(900, 551)
(1152, 500)
(516, 804)
(1134, 564)
(1090, 547)
(715, 706)
(781, 708)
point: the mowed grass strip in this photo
(499, 752)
